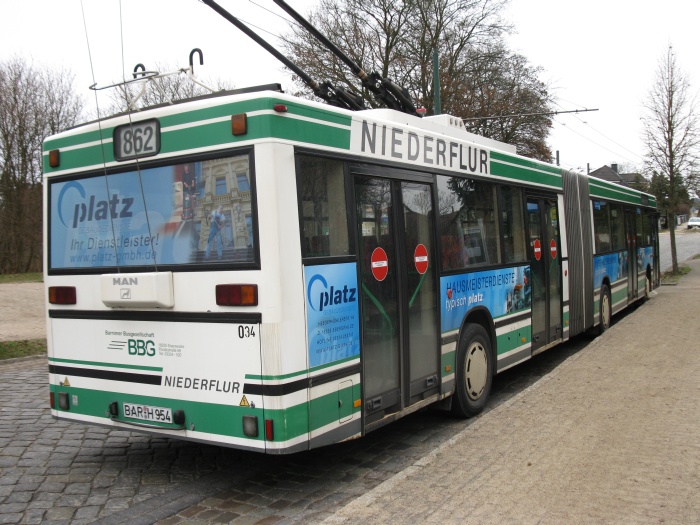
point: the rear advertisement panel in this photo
(179, 214)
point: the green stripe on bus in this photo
(526, 175)
(109, 365)
(216, 418)
(204, 114)
(447, 361)
(325, 410)
(620, 295)
(609, 190)
(217, 134)
(301, 372)
(525, 163)
(512, 340)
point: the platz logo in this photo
(343, 294)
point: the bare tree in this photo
(478, 75)
(34, 103)
(161, 89)
(502, 85)
(671, 136)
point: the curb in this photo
(13, 360)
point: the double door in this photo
(399, 327)
(631, 233)
(545, 270)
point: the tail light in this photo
(62, 295)
(237, 294)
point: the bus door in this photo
(399, 326)
(631, 233)
(545, 270)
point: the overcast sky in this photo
(595, 54)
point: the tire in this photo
(474, 372)
(605, 309)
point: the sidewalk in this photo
(611, 436)
(22, 313)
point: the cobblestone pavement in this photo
(56, 472)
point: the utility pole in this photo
(436, 81)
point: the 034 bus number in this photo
(245, 331)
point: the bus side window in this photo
(513, 224)
(617, 224)
(469, 229)
(601, 226)
(322, 205)
(646, 227)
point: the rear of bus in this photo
(164, 306)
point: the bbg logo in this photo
(328, 297)
(141, 347)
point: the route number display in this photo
(140, 139)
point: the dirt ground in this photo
(22, 311)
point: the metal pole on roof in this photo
(436, 80)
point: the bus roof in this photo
(437, 143)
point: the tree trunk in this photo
(671, 221)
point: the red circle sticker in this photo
(553, 248)
(538, 249)
(380, 264)
(420, 257)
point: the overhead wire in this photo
(617, 153)
(138, 164)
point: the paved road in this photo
(55, 472)
(611, 436)
(687, 245)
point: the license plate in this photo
(148, 413)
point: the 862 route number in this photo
(139, 139)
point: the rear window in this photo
(181, 214)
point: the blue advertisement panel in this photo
(180, 214)
(614, 265)
(645, 257)
(333, 323)
(502, 292)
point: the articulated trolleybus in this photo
(274, 274)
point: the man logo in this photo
(125, 293)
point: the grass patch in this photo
(667, 278)
(28, 347)
(21, 278)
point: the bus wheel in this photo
(605, 309)
(474, 372)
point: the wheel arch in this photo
(482, 316)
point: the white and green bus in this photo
(269, 273)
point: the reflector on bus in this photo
(237, 294)
(239, 124)
(62, 295)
